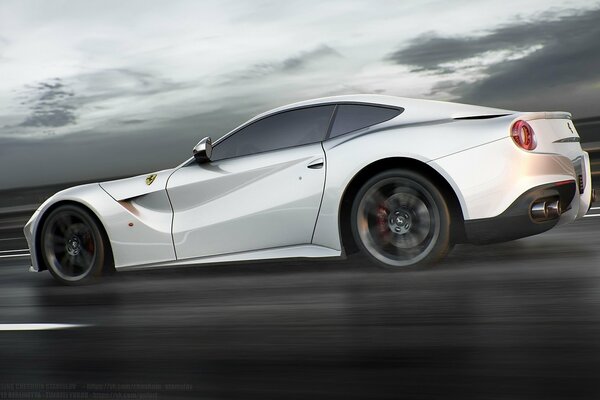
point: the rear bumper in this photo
(516, 222)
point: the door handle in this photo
(316, 164)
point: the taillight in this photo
(523, 135)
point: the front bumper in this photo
(28, 231)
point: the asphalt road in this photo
(519, 320)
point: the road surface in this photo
(519, 320)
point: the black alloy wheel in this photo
(72, 245)
(400, 220)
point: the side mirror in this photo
(203, 150)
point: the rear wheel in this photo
(72, 245)
(400, 220)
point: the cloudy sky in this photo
(94, 89)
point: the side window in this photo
(350, 117)
(279, 131)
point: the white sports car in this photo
(398, 180)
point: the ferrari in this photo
(395, 181)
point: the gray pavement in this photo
(518, 320)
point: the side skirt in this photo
(302, 251)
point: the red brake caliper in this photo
(89, 245)
(382, 221)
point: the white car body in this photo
(272, 205)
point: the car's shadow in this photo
(504, 256)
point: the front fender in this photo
(139, 231)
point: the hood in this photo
(128, 188)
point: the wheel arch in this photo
(108, 263)
(456, 212)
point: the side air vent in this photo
(579, 166)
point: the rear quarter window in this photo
(351, 117)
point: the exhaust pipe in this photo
(539, 210)
(546, 209)
(553, 208)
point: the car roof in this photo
(378, 99)
(415, 110)
(411, 105)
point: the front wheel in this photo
(400, 220)
(72, 245)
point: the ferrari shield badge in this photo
(150, 179)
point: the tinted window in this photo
(279, 131)
(350, 117)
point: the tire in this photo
(73, 246)
(400, 220)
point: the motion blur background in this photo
(98, 89)
(94, 90)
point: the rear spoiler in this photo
(529, 116)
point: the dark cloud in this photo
(430, 52)
(132, 121)
(301, 60)
(563, 72)
(120, 83)
(53, 103)
(288, 65)
(55, 117)
(49, 105)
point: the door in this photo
(262, 190)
